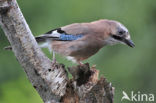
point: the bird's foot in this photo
(80, 63)
(53, 61)
(94, 65)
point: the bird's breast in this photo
(80, 49)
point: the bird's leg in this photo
(80, 63)
(53, 58)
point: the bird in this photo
(79, 41)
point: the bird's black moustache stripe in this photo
(122, 39)
(118, 37)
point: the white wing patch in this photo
(55, 34)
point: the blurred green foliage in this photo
(128, 69)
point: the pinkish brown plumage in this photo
(80, 41)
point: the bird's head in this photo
(118, 33)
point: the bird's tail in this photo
(44, 38)
(40, 40)
(7, 48)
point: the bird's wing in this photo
(67, 33)
(77, 28)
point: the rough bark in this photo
(50, 80)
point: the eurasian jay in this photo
(80, 41)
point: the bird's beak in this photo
(129, 42)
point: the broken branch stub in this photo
(85, 87)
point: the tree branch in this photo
(51, 81)
(50, 85)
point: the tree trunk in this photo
(50, 80)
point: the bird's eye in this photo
(121, 32)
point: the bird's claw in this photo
(93, 66)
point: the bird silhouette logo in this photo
(125, 96)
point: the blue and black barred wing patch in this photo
(58, 35)
(68, 37)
